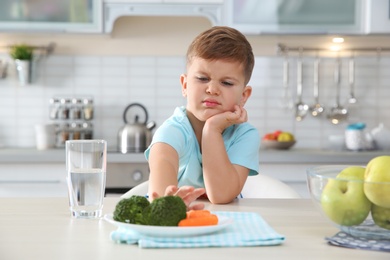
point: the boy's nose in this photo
(212, 88)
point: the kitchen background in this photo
(141, 61)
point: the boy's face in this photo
(213, 87)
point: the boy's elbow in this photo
(220, 199)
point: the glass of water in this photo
(86, 176)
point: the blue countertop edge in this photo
(292, 156)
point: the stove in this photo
(125, 174)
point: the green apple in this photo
(378, 172)
(343, 199)
(381, 216)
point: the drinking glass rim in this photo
(86, 141)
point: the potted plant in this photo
(21, 52)
(23, 56)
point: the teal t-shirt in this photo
(242, 143)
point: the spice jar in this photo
(87, 132)
(63, 112)
(75, 109)
(88, 109)
(54, 108)
(63, 134)
(75, 130)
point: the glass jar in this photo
(75, 130)
(63, 112)
(88, 108)
(63, 134)
(87, 131)
(75, 109)
(54, 106)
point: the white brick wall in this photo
(116, 81)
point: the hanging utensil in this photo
(352, 99)
(286, 101)
(3, 69)
(337, 113)
(317, 109)
(300, 107)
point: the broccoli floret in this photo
(166, 211)
(163, 211)
(130, 210)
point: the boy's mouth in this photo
(210, 103)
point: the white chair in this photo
(141, 190)
(263, 186)
(258, 186)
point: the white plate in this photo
(158, 231)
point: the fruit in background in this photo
(277, 133)
(377, 172)
(381, 216)
(343, 199)
(280, 136)
(286, 137)
(270, 136)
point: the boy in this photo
(207, 146)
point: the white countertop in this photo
(292, 156)
(32, 155)
(43, 229)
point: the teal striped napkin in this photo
(247, 229)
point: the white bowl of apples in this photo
(279, 140)
(354, 198)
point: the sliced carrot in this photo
(209, 220)
(198, 213)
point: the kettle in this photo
(135, 137)
(381, 136)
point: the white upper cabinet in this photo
(166, 1)
(296, 16)
(252, 17)
(51, 16)
(378, 17)
(113, 9)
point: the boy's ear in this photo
(245, 95)
(183, 82)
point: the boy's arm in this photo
(223, 180)
(163, 164)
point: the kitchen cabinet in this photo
(296, 16)
(33, 180)
(290, 166)
(113, 9)
(378, 16)
(49, 179)
(32, 173)
(75, 16)
(166, 1)
(293, 175)
(42, 173)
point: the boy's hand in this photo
(188, 193)
(224, 120)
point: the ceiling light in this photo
(338, 40)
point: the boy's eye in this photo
(203, 79)
(226, 83)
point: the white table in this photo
(41, 228)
